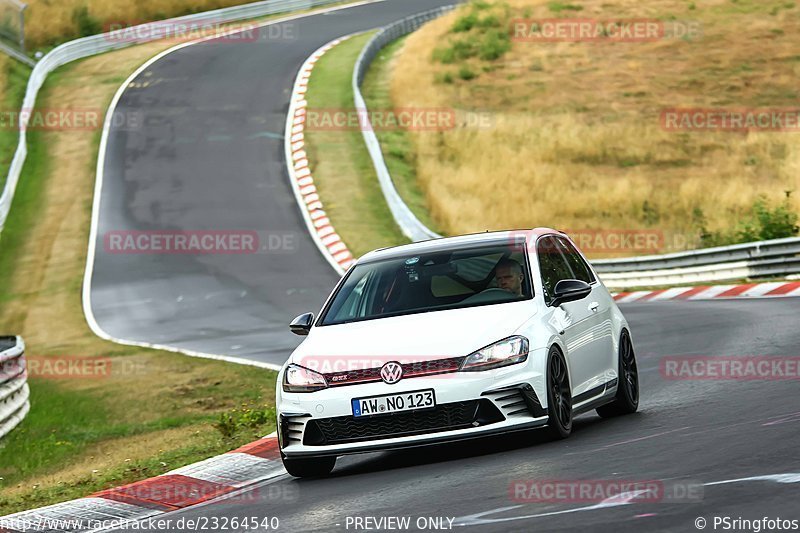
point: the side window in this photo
(553, 265)
(576, 262)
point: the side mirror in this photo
(570, 290)
(302, 324)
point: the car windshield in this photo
(431, 281)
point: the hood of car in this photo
(431, 335)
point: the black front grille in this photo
(410, 370)
(445, 417)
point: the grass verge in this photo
(50, 23)
(396, 144)
(341, 166)
(155, 411)
(13, 82)
(575, 136)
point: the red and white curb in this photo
(203, 482)
(748, 290)
(319, 226)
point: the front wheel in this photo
(309, 466)
(627, 399)
(559, 396)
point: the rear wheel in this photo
(627, 399)
(309, 466)
(559, 396)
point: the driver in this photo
(508, 274)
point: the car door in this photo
(601, 361)
(574, 320)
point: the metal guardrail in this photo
(16, 54)
(106, 42)
(409, 224)
(14, 391)
(775, 258)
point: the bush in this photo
(495, 44)
(763, 223)
(489, 21)
(766, 223)
(466, 23)
(86, 23)
(444, 78)
(558, 7)
(247, 417)
(464, 49)
(226, 425)
(444, 55)
(465, 73)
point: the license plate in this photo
(394, 403)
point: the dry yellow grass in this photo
(48, 22)
(576, 139)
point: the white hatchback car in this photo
(451, 339)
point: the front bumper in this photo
(468, 405)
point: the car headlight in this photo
(300, 379)
(502, 353)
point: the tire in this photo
(309, 466)
(559, 396)
(627, 399)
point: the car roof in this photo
(488, 238)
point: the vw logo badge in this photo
(391, 373)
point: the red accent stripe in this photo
(172, 491)
(264, 448)
(620, 295)
(691, 292)
(784, 289)
(736, 291)
(651, 295)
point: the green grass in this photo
(558, 7)
(70, 419)
(21, 217)
(65, 423)
(341, 166)
(398, 150)
(16, 81)
(61, 425)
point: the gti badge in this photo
(391, 373)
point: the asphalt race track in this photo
(211, 157)
(203, 151)
(701, 432)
